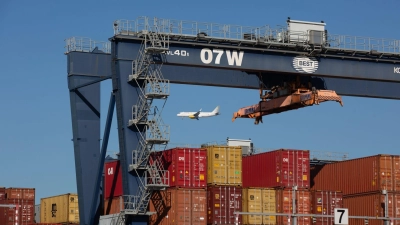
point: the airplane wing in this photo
(197, 113)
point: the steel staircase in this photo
(146, 74)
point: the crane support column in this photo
(87, 65)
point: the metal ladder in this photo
(146, 74)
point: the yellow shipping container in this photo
(259, 200)
(252, 202)
(59, 209)
(269, 205)
(224, 165)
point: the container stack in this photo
(185, 201)
(113, 201)
(60, 209)
(224, 184)
(363, 182)
(23, 199)
(268, 182)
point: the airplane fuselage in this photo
(201, 114)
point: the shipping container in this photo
(259, 200)
(179, 206)
(223, 201)
(113, 205)
(187, 166)
(361, 175)
(285, 205)
(224, 165)
(2, 193)
(37, 213)
(22, 213)
(20, 193)
(277, 169)
(324, 203)
(372, 204)
(112, 179)
(59, 209)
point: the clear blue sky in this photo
(35, 133)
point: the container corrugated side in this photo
(224, 166)
(285, 205)
(372, 204)
(324, 203)
(223, 201)
(187, 166)
(178, 206)
(396, 173)
(362, 175)
(24, 215)
(2, 212)
(112, 179)
(269, 205)
(60, 209)
(2, 193)
(113, 205)
(277, 169)
(37, 213)
(252, 202)
(20, 193)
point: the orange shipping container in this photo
(179, 207)
(372, 205)
(285, 205)
(113, 205)
(362, 175)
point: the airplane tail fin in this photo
(216, 110)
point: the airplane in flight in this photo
(199, 114)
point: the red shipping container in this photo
(23, 213)
(285, 205)
(362, 175)
(20, 193)
(223, 201)
(187, 166)
(2, 193)
(280, 168)
(112, 179)
(324, 203)
(179, 206)
(372, 204)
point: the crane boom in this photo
(296, 100)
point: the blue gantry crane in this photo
(145, 55)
